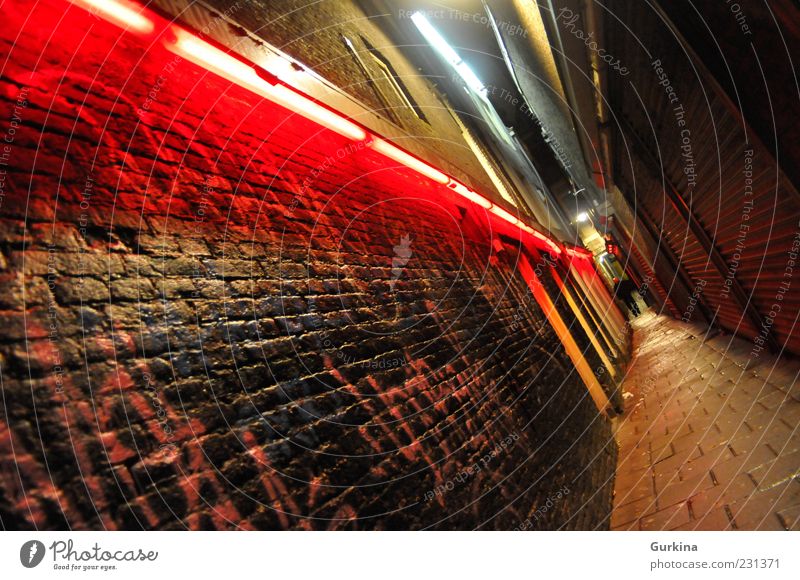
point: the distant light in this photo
(220, 63)
(120, 12)
(396, 154)
(582, 217)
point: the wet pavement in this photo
(709, 438)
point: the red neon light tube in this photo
(503, 214)
(553, 246)
(540, 236)
(579, 253)
(396, 154)
(228, 67)
(467, 193)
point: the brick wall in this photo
(216, 316)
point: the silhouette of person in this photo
(624, 289)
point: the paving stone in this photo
(662, 452)
(712, 439)
(776, 438)
(666, 519)
(714, 431)
(634, 459)
(633, 511)
(727, 470)
(640, 486)
(739, 487)
(714, 520)
(777, 470)
(789, 412)
(680, 491)
(790, 518)
(783, 447)
(704, 463)
(673, 463)
(630, 526)
(758, 517)
(707, 500)
(687, 443)
(773, 400)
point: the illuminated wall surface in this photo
(216, 315)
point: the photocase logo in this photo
(31, 553)
(402, 254)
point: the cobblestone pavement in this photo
(709, 438)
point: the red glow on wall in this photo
(233, 68)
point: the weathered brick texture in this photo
(211, 319)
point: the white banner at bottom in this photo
(401, 555)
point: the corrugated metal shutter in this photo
(757, 261)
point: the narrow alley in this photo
(709, 439)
